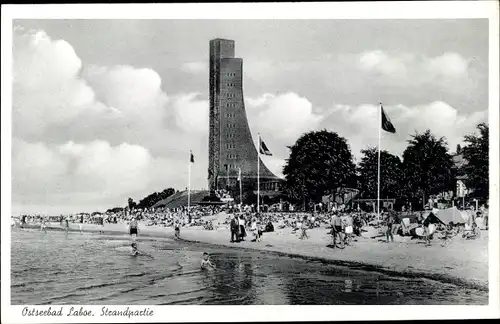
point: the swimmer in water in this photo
(136, 252)
(206, 264)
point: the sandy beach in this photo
(462, 261)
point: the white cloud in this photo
(134, 92)
(93, 174)
(380, 62)
(46, 86)
(412, 69)
(80, 112)
(191, 114)
(286, 115)
(280, 119)
(73, 169)
(359, 124)
(450, 65)
(195, 67)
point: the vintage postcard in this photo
(270, 157)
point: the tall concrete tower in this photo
(230, 141)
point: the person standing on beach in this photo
(234, 228)
(337, 229)
(313, 220)
(133, 228)
(390, 223)
(242, 232)
(43, 225)
(348, 228)
(427, 234)
(304, 227)
(177, 229)
(484, 212)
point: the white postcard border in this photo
(380, 10)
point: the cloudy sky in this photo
(109, 109)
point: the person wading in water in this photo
(206, 263)
(133, 228)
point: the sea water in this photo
(84, 268)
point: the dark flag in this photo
(386, 123)
(191, 159)
(263, 148)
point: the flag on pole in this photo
(239, 174)
(386, 122)
(191, 159)
(263, 148)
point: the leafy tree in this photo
(427, 166)
(391, 174)
(131, 203)
(320, 163)
(151, 199)
(476, 154)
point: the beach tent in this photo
(451, 215)
(432, 218)
(409, 216)
(219, 218)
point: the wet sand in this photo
(462, 261)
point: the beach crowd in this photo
(244, 223)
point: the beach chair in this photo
(471, 233)
(405, 224)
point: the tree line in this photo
(321, 163)
(146, 202)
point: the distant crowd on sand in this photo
(343, 224)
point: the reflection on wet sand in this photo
(270, 290)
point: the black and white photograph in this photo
(261, 161)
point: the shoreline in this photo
(462, 262)
(354, 265)
(467, 267)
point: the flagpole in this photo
(258, 176)
(189, 182)
(378, 163)
(241, 196)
